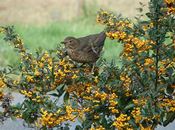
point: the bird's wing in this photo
(92, 43)
(97, 42)
(90, 47)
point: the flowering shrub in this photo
(139, 95)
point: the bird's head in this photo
(70, 42)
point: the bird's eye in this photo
(70, 41)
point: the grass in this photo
(49, 36)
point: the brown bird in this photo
(85, 49)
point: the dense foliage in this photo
(138, 95)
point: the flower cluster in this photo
(2, 85)
(171, 6)
(33, 96)
(50, 119)
(168, 104)
(132, 44)
(105, 17)
(126, 81)
(121, 122)
(136, 113)
(113, 103)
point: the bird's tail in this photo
(101, 38)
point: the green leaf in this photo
(104, 121)
(78, 127)
(66, 97)
(128, 107)
(87, 124)
(66, 127)
(60, 90)
(54, 94)
(169, 89)
(132, 122)
(169, 118)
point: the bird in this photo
(85, 49)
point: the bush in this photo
(138, 95)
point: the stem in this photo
(157, 55)
(156, 22)
(157, 61)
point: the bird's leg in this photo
(93, 67)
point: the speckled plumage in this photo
(85, 49)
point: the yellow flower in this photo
(87, 98)
(28, 94)
(101, 96)
(62, 62)
(121, 122)
(169, 104)
(1, 95)
(41, 65)
(143, 128)
(100, 128)
(86, 109)
(61, 73)
(37, 73)
(96, 79)
(2, 30)
(114, 110)
(96, 117)
(135, 101)
(74, 76)
(50, 61)
(148, 61)
(96, 101)
(136, 113)
(50, 67)
(126, 81)
(58, 111)
(171, 10)
(140, 102)
(170, 1)
(2, 84)
(113, 103)
(29, 78)
(112, 96)
(50, 119)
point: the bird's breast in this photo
(82, 57)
